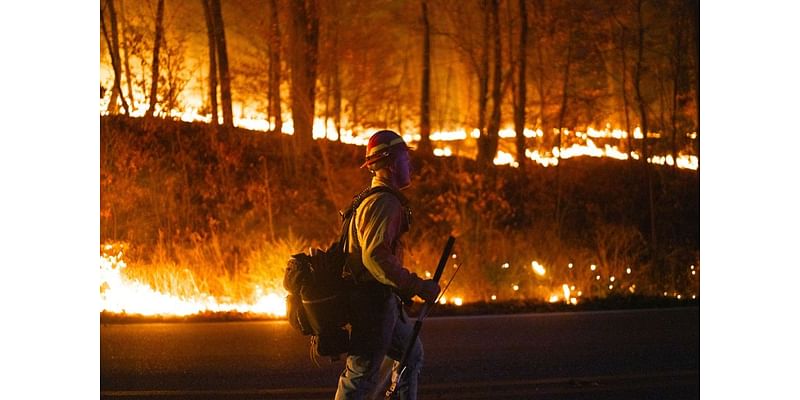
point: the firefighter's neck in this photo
(385, 177)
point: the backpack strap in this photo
(349, 213)
(357, 199)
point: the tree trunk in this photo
(305, 36)
(637, 84)
(337, 99)
(695, 7)
(561, 116)
(222, 58)
(125, 51)
(425, 146)
(275, 69)
(679, 48)
(643, 115)
(625, 94)
(483, 89)
(539, 14)
(674, 106)
(212, 64)
(543, 120)
(494, 122)
(519, 106)
(113, 50)
(156, 46)
(337, 82)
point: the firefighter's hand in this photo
(429, 290)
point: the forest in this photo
(230, 136)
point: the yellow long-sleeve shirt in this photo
(380, 221)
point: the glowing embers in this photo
(538, 268)
(504, 158)
(445, 152)
(119, 294)
(565, 295)
(456, 301)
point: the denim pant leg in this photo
(360, 376)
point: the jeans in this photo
(379, 336)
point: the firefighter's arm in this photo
(379, 227)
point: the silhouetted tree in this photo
(642, 103)
(678, 31)
(113, 50)
(274, 92)
(488, 150)
(425, 103)
(618, 32)
(520, 100)
(467, 26)
(125, 53)
(694, 54)
(304, 36)
(222, 58)
(561, 115)
(337, 83)
(212, 62)
(156, 47)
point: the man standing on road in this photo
(380, 326)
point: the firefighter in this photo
(380, 327)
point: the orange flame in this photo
(119, 294)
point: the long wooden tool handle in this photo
(448, 248)
(418, 325)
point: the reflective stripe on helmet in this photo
(383, 146)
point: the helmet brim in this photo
(385, 153)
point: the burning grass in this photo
(193, 286)
(197, 223)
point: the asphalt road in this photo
(638, 354)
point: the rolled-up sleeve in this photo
(380, 220)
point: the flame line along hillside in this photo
(219, 204)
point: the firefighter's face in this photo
(402, 170)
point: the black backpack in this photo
(319, 285)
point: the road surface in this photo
(634, 354)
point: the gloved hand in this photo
(428, 290)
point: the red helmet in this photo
(381, 144)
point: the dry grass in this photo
(200, 217)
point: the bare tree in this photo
(274, 92)
(622, 48)
(425, 103)
(678, 49)
(305, 37)
(113, 50)
(493, 128)
(126, 52)
(695, 55)
(637, 83)
(156, 47)
(539, 14)
(337, 85)
(212, 63)
(468, 26)
(624, 87)
(482, 70)
(519, 103)
(561, 115)
(222, 58)
(172, 63)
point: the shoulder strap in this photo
(349, 213)
(357, 199)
